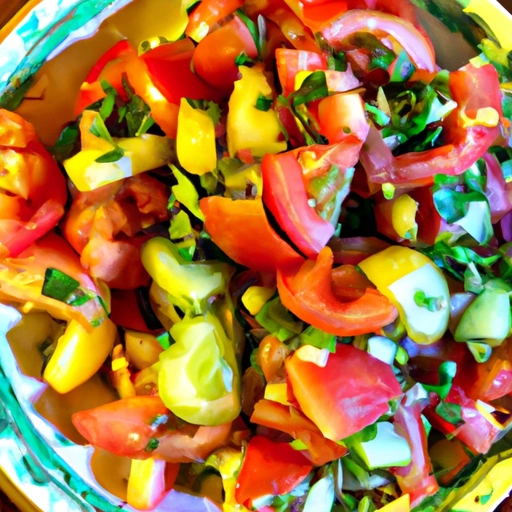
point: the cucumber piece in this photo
(487, 318)
(385, 450)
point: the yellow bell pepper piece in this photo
(79, 355)
(228, 462)
(142, 349)
(248, 127)
(195, 140)
(146, 485)
(277, 393)
(140, 154)
(403, 217)
(120, 376)
(409, 278)
(255, 297)
(402, 504)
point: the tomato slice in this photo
(416, 478)
(472, 88)
(124, 427)
(285, 196)
(269, 468)
(214, 57)
(207, 14)
(308, 293)
(495, 189)
(169, 60)
(288, 419)
(344, 396)
(235, 226)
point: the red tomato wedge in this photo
(269, 468)
(214, 57)
(241, 229)
(288, 419)
(308, 293)
(416, 478)
(169, 60)
(351, 392)
(472, 88)
(285, 196)
(405, 33)
(207, 14)
(124, 427)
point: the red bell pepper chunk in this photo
(124, 427)
(214, 57)
(308, 293)
(285, 196)
(269, 468)
(416, 478)
(207, 14)
(349, 393)
(167, 61)
(288, 419)
(472, 88)
(241, 229)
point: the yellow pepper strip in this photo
(120, 376)
(227, 462)
(277, 393)
(79, 355)
(140, 154)
(162, 306)
(416, 286)
(402, 504)
(255, 297)
(195, 140)
(403, 217)
(486, 116)
(248, 127)
(142, 349)
(146, 485)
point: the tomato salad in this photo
(284, 239)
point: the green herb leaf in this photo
(57, 285)
(377, 115)
(112, 156)
(107, 106)
(451, 205)
(452, 413)
(243, 59)
(152, 445)
(404, 68)
(98, 129)
(337, 61)
(252, 28)
(263, 103)
(313, 88)
(446, 372)
(65, 144)
(164, 340)
(381, 56)
(388, 190)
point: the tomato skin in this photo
(103, 225)
(477, 433)
(289, 62)
(123, 427)
(429, 221)
(214, 57)
(285, 196)
(416, 478)
(125, 311)
(472, 88)
(495, 189)
(28, 207)
(340, 113)
(269, 468)
(207, 14)
(169, 60)
(343, 397)
(235, 225)
(308, 293)
(288, 419)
